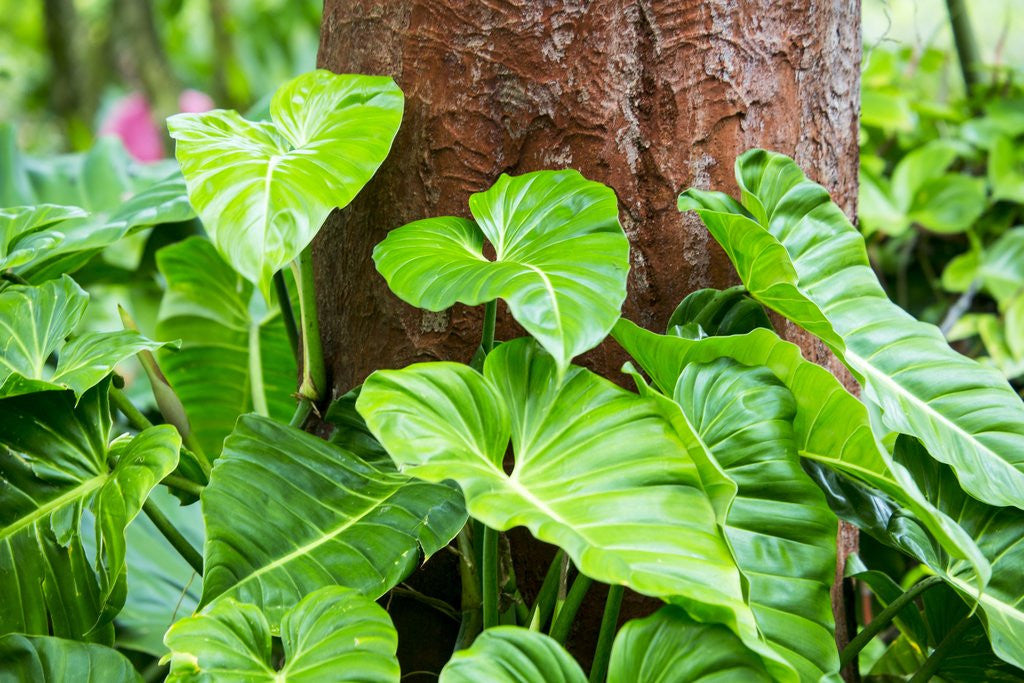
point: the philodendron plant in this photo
(713, 486)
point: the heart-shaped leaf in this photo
(560, 258)
(263, 189)
(34, 322)
(334, 634)
(234, 355)
(511, 654)
(43, 658)
(54, 462)
(599, 471)
(670, 646)
(798, 254)
(325, 517)
(716, 313)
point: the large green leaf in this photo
(334, 634)
(712, 312)
(25, 232)
(780, 528)
(234, 355)
(37, 659)
(116, 194)
(55, 461)
(560, 258)
(798, 254)
(670, 647)
(831, 426)
(34, 322)
(511, 654)
(1001, 267)
(263, 189)
(599, 471)
(325, 517)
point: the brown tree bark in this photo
(647, 97)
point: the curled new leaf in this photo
(263, 189)
(560, 258)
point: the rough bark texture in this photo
(647, 97)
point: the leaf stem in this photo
(966, 47)
(877, 624)
(173, 536)
(545, 601)
(607, 634)
(471, 619)
(489, 577)
(132, 414)
(490, 318)
(13, 277)
(302, 411)
(931, 665)
(314, 374)
(566, 615)
(182, 484)
(287, 314)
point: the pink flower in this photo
(132, 120)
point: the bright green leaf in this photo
(264, 189)
(1002, 266)
(26, 232)
(599, 471)
(511, 654)
(334, 634)
(798, 254)
(34, 322)
(1006, 171)
(670, 646)
(36, 659)
(831, 426)
(714, 312)
(325, 517)
(560, 262)
(779, 526)
(234, 356)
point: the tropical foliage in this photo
(230, 543)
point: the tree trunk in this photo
(647, 97)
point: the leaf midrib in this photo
(80, 491)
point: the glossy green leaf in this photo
(831, 426)
(714, 312)
(669, 646)
(325, 517)
(264, 189)
(54, 461)
(560, 258)
(798, 254)
(234, 355)
(37, 659)
(352, 434)
(27, 231)
(334, 634)
(606, 474)
(34, 322)
(511, 654)
(782, 533)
